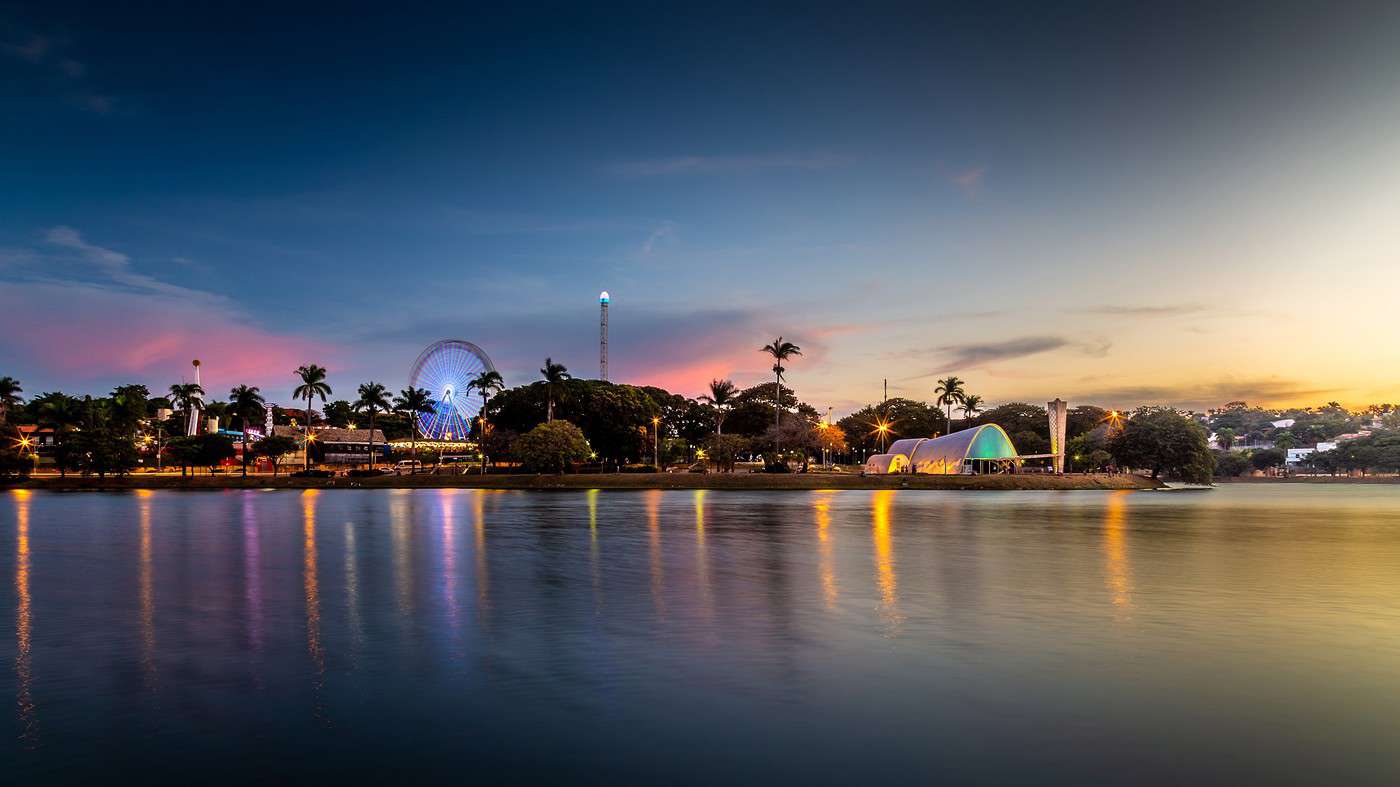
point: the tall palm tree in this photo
(313, 383)
(971, 406)
(721, 398)
(59, 412)
(554, 376)
(950, 392)
(411, 403)
(187, 397)
(374, 399)
(781, 351)
(9, 396)
(487, 383)
(246, 402)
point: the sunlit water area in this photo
(1249, 634)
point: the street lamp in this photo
(656, 443)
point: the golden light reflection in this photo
(401, 531)
(821, 505)
(483, 584)
(592, 497)
(312, 585)
(653, 501)
(352, 589)
(147, 582)
(24, 667)
(702, 555)
(1119, 576)
(885, 578)
(449, 556)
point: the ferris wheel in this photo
(446, 369)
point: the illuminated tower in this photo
(1057, 411)
(603, 336)
(192, 424)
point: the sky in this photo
(1111, 203)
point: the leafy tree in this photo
(723, 449)
(949, 392)
(274, 447)
(1266, 458)
(339, 413)
(14, 459)
(1027, 425)
(720, 399)
(1225, 437)
(61, 413)
(609, 414)
(411, 403)
(1162, 440)
(1229, 464)
(129, 407)
(1084, 418)
(247, 404)
(554, 376)
(10, 391)
(905, 417)
(313, 383)
(552, 447)
(781, 351)
(374, 399)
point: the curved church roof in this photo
(941, 455)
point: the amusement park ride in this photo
(446, 369)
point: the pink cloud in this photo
(970, 181)
(83, 332)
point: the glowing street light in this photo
(656, 443)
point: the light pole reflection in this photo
(148, 599)
(311, 584)
(446, 497)
(1119, 572)
(821, 505)
(885, 578)
(702, 555)
(653, 499)
(24, 668)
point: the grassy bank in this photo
(754, 481)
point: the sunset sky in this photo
(1107, 203)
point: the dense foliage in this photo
(1165, 442)
(552, 447)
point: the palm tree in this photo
(781, 351)
(950, 392)
(971, 406)
(9, 396)
(487, 382)
(721, 397)
(554, 376)
(411, 403)
(374, 399)
(313, 383)
(247, 403)
(59, 412)
(187, 397)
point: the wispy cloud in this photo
(666, 231)
(707, 165)
(969, 181)
(972, 355)
(46, 54)
(1164, 310)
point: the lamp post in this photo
(440, 446)
(656, 443)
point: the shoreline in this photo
(733, 481)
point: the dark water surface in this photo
(1249, 634)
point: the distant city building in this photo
(334, 446)
(1286, 423)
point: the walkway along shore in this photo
(746, 481)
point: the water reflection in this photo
(1120, 579)
(311, 584)
(483, 584)
(880, 504)
(702, 556)
(24, 668)
(401, 530)
(653, 506)
(448, 550)
(147, 592)
(821, 505)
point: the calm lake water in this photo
(1246, 634)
